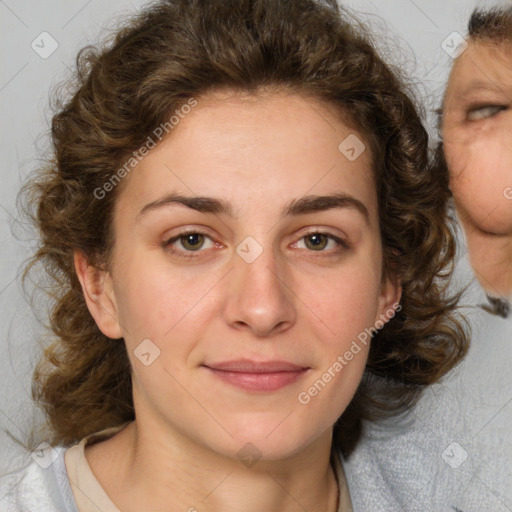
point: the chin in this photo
(491, 218)
(270, 440)
(498, 223)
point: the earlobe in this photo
(391, 293)
(99, 295)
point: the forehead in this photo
(255, 150)
(484, 65)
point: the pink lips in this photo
(258, 376)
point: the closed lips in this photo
(245, 366)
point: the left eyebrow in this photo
(311, 204)
(299, 206)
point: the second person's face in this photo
(477, 136)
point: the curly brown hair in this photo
(175, 50)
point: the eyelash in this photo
(188, 255)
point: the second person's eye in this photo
(475, 114)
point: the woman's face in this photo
(477, 134)
(247, 251)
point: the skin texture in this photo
(293, 303)
(477, 134)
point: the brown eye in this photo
(316, 241)
(190, 245)
(192, 241)
(322, 243)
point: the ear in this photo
(389, 298)
(98, 291)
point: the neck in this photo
(491, 258)
(143, 468)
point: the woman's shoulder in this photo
(41, 484)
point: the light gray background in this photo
(418, 28)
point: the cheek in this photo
(327, 394)
(157, 299)
(342, 303)
(481, 181)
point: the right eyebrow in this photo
(201, 204)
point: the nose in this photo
(259, 299)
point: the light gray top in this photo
(454, 451)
